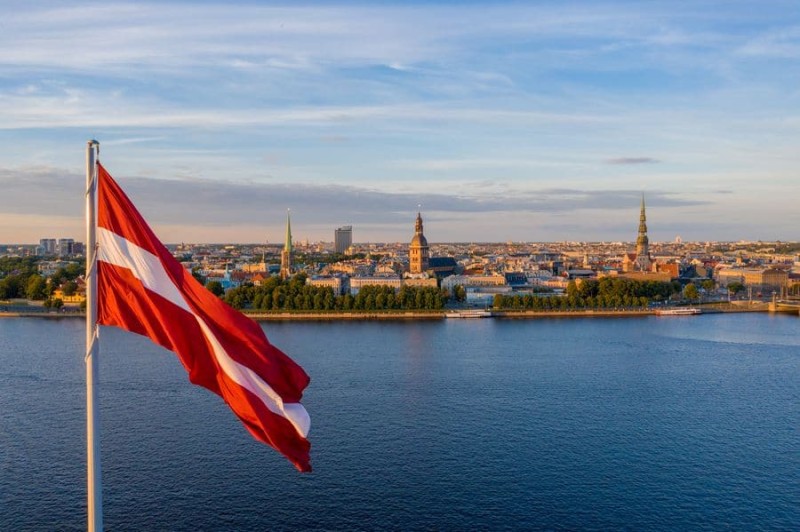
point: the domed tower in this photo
(643, 260)
(418, 251)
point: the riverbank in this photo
(414, 315)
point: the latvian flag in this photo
(143, 289)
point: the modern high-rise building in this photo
(418, 250)
(343, 238)
(286, 254)
(47, 246)
(65, 247)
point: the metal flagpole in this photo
(94, 481)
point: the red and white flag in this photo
(143, 289)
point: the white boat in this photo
(683, 311)
(474, 313)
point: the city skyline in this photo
(504, 121)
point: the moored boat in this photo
(473, 313)
(683, 311)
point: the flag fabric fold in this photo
(143, 289)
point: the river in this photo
(583, 423)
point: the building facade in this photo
(758, 278)
(356, 283)
(47, 246)
(343, 239)
(65, 247)
(339, 284)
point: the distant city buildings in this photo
(63, 247)
(343, 239)
(482, 270)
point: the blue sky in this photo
(534, 121)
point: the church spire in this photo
(642, 222)
(643, 261)
(287, 246)
(286, 254)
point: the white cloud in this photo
(427, 97)
(783, 43)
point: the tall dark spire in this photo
(642, 241)
(286, 254)
(643, 261)
(288, 242)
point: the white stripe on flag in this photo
(147, 268)
(249, 380)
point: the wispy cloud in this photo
(368, 108)
(632, 160)
(171, 34)
(463, 164)
(132, 140)
(782, 43)
(84, 108)
(213, 202)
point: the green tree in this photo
(572, 289)
(35, 288)
(459, 293)
(708, 285)
(690, 292)
(69, 288)
(238, 301)
(498, 301)
(11, 287)
(329, 299)
(73, 270)
(215, 287)
(735, 287)
(347, 302)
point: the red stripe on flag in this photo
(116, 213)
(126, 304)
(123, 301)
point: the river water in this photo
(587, 423)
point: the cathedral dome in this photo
(419, 240)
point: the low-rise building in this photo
(421, 281)
(339, 284)
(766, 278)
(389, 280)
